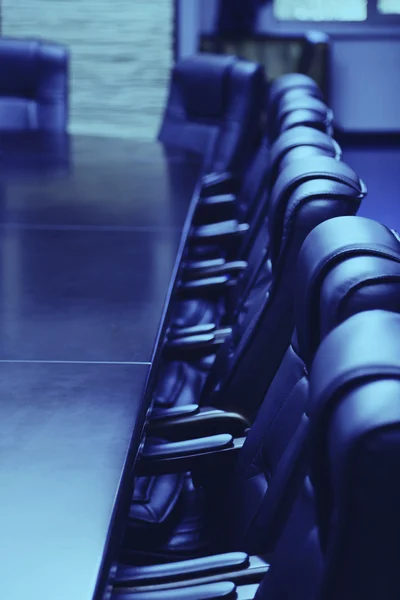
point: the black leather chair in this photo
(33, 85)
(360, 272)
(214, 107)
(301, 199)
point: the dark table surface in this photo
(89, 233)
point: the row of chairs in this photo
(225, 123)
(227, 463)
(308, 507)
(227, 383)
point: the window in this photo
(389, 7)
(324, 10)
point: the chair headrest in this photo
(204, 81)
(292, 81)
(295, 174)
(303, 102)
(309, 118)
(346, 265)
(301, 136)
(364, 347)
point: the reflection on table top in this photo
(89, 233)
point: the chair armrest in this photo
(205, 422)
(232, 267)
(194, 265)
(215, 233)
(179, 332)
(219, 199)
(215, 209)
(219, 183)
(224, 590)
(209, 287)
(166, 450)
(183, 569)
(199, 345)
(177, 457)
(233, 566)
(159, 415)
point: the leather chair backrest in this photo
(306, 108)
(33, 85)
(214, 107)
(348, 274)
(360, 253)
(292, 84)
(300, 137)
(301, 103)
(285, 198)
(342, 539)
(308, 118)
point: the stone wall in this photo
(121, 54)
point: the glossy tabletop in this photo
(89, 233)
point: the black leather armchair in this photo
(214, 107)
(33, 85)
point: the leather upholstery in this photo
(342, 538)
(319, 167)
(308, 118)
(33, 85)
(301, 103)
(184, 533)
(301, 136)
(179, 383)
(342, 240)
(154, 498)
(304, 104)
(286, 84)
(214, 108)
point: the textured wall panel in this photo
(121, 54)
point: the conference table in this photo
(91, 234)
